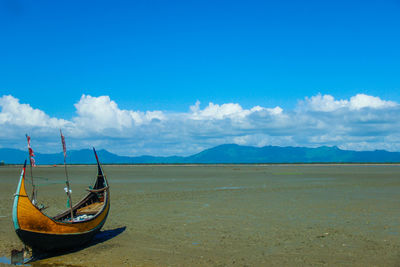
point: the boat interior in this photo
(90, 205)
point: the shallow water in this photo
(231, 215)
(7, 261)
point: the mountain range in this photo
(229, 153)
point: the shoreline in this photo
(218, 164)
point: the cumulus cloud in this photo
(328, 103)
(101, 113)
(362, 122)
(15, 114)
(366, 101)
(230, 110)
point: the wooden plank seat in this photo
(97, 190)
(90, 209)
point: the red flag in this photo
(31, 154)
(33, 162)
(63, 144)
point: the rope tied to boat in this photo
(46, 183)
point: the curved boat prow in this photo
(100, 170)
(16, 197)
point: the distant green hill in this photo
(229, 153)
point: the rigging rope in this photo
(45, 184)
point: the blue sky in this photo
(164, 56)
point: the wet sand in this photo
(293, 215)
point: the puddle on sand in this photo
(230, 188)
(6, 260)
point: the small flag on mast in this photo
(63, 144)
(31, 154)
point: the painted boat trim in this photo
(16, 198)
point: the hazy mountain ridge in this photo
(229, 153)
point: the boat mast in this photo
(68, 190)
(32, 163)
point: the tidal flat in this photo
(227, 215)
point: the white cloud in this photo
(327, 103)
(260, 140)
(15, 114)
(366, 101)
(230, 110)
(101, 113)
(361, 122)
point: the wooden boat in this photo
(44, 233)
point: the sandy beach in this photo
(292, 215)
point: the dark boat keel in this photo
(53, 242)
